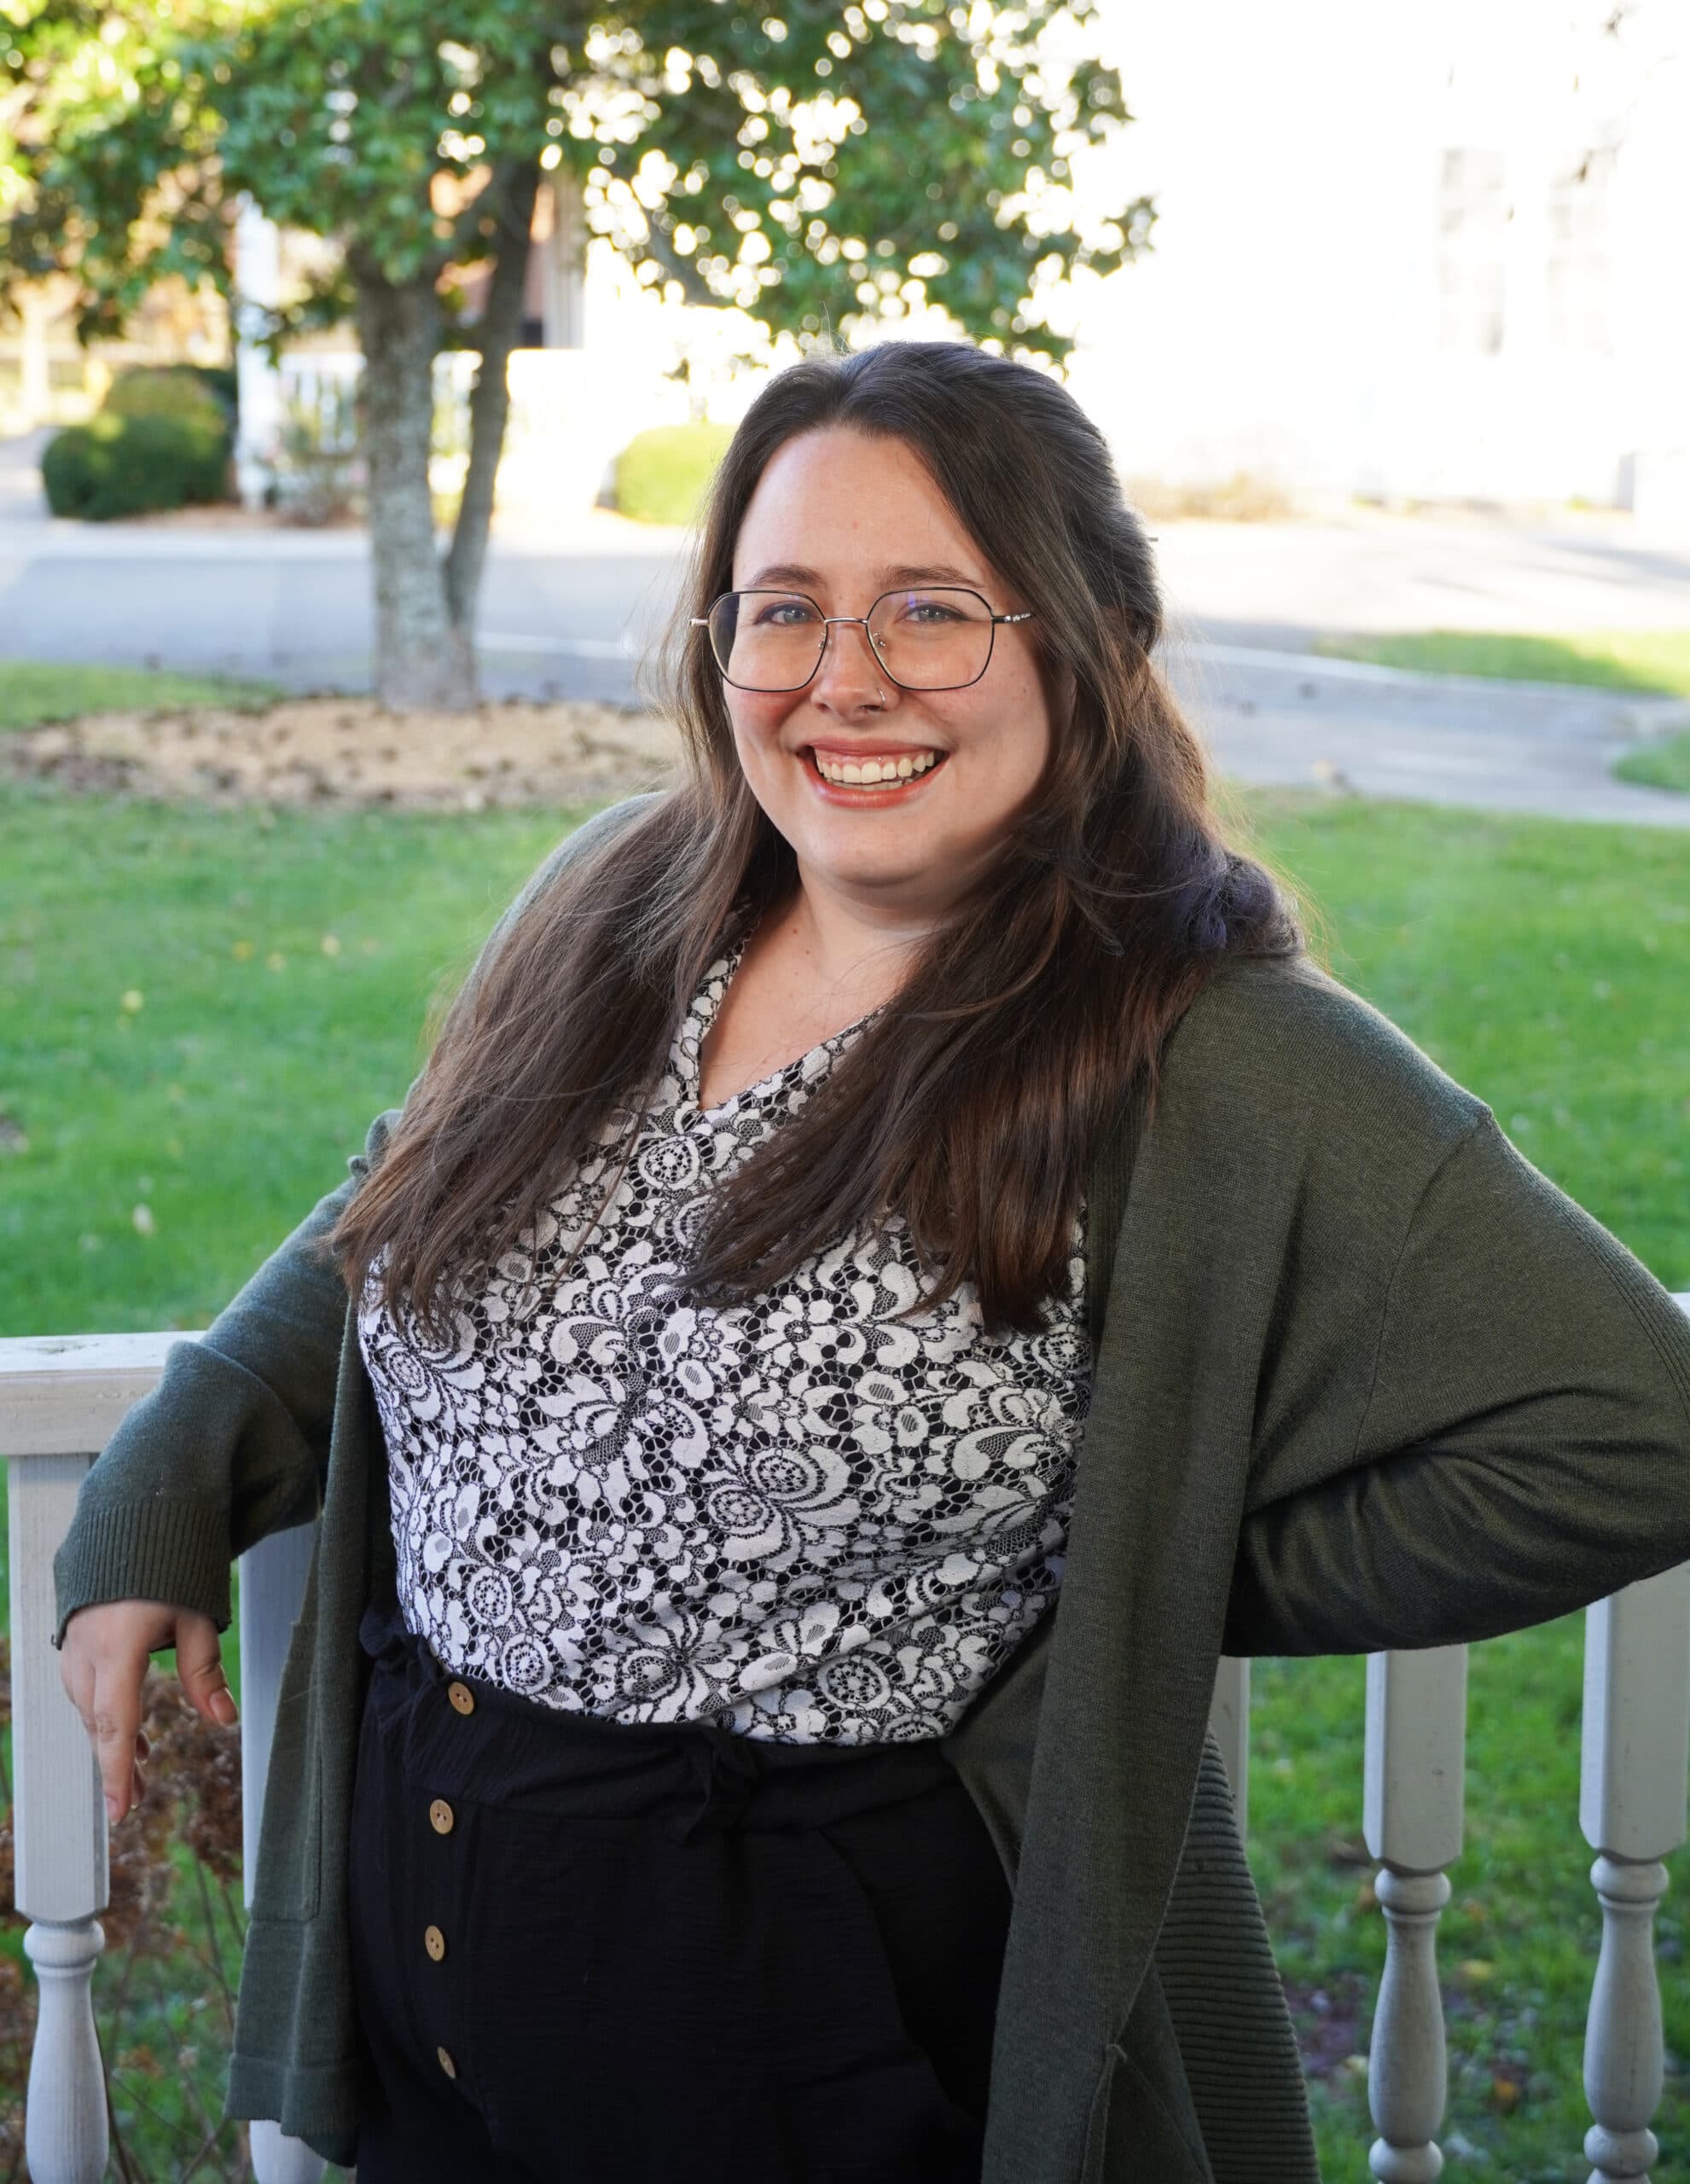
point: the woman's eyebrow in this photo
(795, 572)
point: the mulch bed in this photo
(322, 753)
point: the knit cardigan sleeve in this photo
(1524, 1445)
(233, 1441)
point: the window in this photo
(1577, 271)
(1473, 212)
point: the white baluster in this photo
(1229, 1718)
(272, 1586)
(278, 2160)
(1412, 1817)
(1635, 1760)
(65, 2126)
(61, 1840)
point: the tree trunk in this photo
(490, 401)
(423, 658)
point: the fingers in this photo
(79, 1671)
(199, 1665)
(104, 1664)
(113, 1720)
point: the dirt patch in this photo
(333, 753)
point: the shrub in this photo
(174, 390)
(222, 381)
(117, 465)
(661, 475)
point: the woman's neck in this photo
(844, 954)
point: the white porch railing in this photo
(61, 1398)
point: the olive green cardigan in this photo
(1363, 1378)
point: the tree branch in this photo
(490, 401)
(694, 285)
(491, 201)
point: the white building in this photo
(1434, 251)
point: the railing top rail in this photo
(64, 1394)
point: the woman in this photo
(897, 1260)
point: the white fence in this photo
(61, 1397)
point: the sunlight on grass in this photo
(34, 693)
(1662, 765)
(206, 1032)
(1615, 659)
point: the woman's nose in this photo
(850, 674)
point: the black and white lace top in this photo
(792, 1516)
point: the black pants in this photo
(592, 1953)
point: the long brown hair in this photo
(972, 1104)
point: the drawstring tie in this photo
(726, 1772)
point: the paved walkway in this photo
(569, 613)
(1283, 719)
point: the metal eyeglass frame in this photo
(780, 592)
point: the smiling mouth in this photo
(891, 772)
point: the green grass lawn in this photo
(1663, 764)
(1615, 659)
(34, 692)
(201, 1011)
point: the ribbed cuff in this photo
(156, 1550)
(317, 2103)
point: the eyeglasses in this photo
(938, 638)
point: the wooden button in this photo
(446, 2063)
(434, 1942)
(440, 1817)
(462, 1698)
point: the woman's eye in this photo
(788, 614)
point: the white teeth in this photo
(873, 772)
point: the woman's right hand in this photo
(103, 1662)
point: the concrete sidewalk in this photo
(1285, 719)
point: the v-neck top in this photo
(790, 1515)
